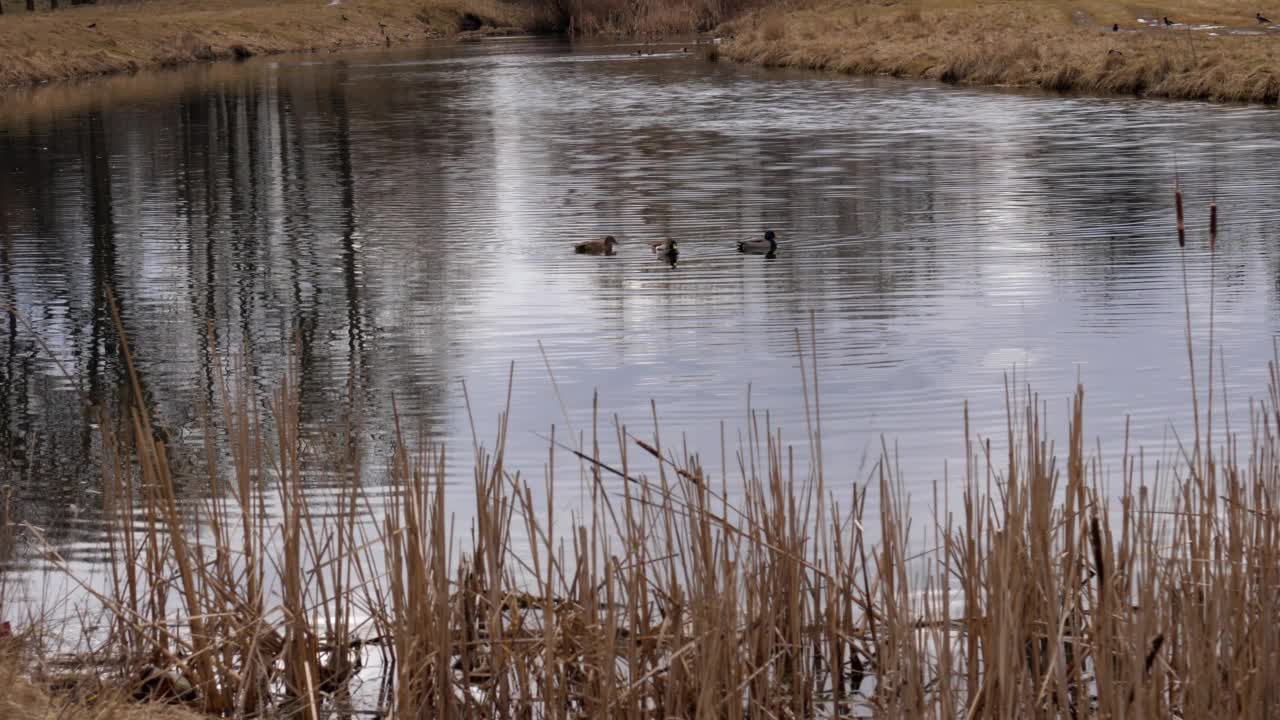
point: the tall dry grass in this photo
(1041, 43)
(1054, 585)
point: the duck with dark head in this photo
(666, 249)
(767, 246)
(603, 246)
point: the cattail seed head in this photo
(1213, 225)
(1182, 228)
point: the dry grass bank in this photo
(1050, 44)
(101, 40)
(87, 41)
(117, 37)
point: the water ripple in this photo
(403, 222)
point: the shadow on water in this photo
(398, 222)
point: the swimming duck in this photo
(767, 246)
(661, 246)
(596, 247)
(1262, 20)
(667, 250)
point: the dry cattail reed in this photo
(1037, 590)
(1182, 227)
(1213, 225)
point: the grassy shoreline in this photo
(1217, 52)
(90, 41)
(124, 37)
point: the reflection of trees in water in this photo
(193, 185)
(101, 369)
(299, 241)
(243, 232)
(58, 175)
(14, 368)
(351, 253)
(246, 242)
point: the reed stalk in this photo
(1040, 585)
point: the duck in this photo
(1115, 27)
(667, 250)
(1262, 20)
(661, 246)
(603, 246)
(1167, 21)
(767, 246)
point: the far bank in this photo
(1188, 49)
(69, 42)
(86, 41)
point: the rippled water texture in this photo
(403, 220)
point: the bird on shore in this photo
(1262, 20)
(1167, 21)
(603, 246)
(1115, 27)
(92, 25)
(767, 246)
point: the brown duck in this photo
(604, 246)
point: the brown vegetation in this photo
(1046, 586)
(121, 37)
(1053, 45)
(1049, 44)
(23, 699)
(108, 39)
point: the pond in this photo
(402, 222)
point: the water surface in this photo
(401, 222)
